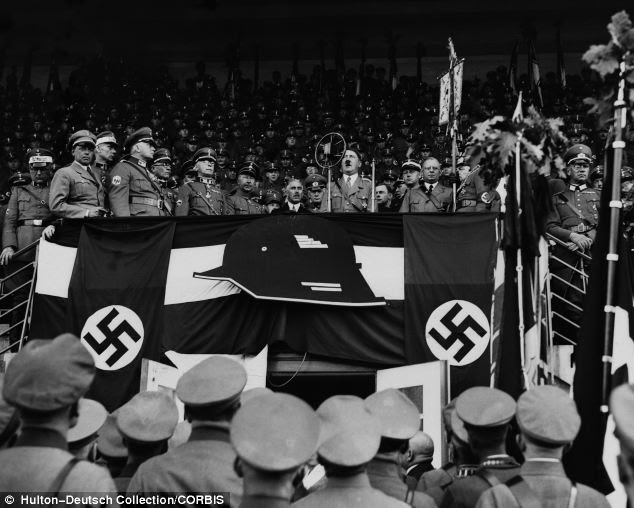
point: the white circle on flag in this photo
(457, 331)
(114, 336)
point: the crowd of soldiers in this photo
(259, 448)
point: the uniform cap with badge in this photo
(548, 415)
(398, 416)
(148, 417)
(411, 165)
(216, 382)
(142, 135)
(163, 156)
(48, 375)
(205, 154)
(350, 433)
(39, 157)
(106, 137)
(249, 168)
(275, 432)
(315, 181)
(82, 136)
(578, 152)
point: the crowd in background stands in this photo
(277, 121)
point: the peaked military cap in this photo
(249, 168)
(275, 432)
(39, 157)
(578, 153)
(143, 135)
(254, 392)
(92, 416)
(216, 381)
(187, 167)
(457, 427)
(350, 434)
(148, 417)
(106, 137)
(315, 182)
(82, 136)
(548, 414)
(481, 406)
(205, 154)
(162, 155)
(411, 165)
(398, 416)
(622, 409)
(47, 375)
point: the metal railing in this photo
(23, 307)
(566, 304)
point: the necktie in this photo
(349, 181)
(429, 189)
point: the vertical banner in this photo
(445, 99)
(115, 298)
(449, 263)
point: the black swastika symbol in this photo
(111, 337)
(457, 332)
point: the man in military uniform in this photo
(351, 193)
(473, 195)
(131, 190)
(240, 199)
(410, 173)
(105, 153)
(203, 196)
(622, 409)
(146, 422)
(316, 193)
(486, 413)
(205, 463)
(573, 220)
(44, 382)
(274, 435)
(430, 195)
(76, 191)
(162, 171)
(26, 217)
(351, 436)
(399, 420)
(271, 177)
(548, 421)
(82, 437)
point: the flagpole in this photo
(612, 258)
(519, 268)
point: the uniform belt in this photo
(34, 222)
(581, 228)
(147, 201)
(467, 202)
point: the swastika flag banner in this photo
(115, 298)
(449, 263)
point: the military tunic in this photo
(132, 191)
(350, 491)
(470, 193)
(551, 487)
(464, 492)
(74, 191)
(579, 214)
(36, 459)
(198, 198)
(243, 204)
(417, 200)
(434, 483)
(203, 464)
(385, 475)
(26, 216)
(350, 200)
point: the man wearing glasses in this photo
(430, 195)
(132, 191)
